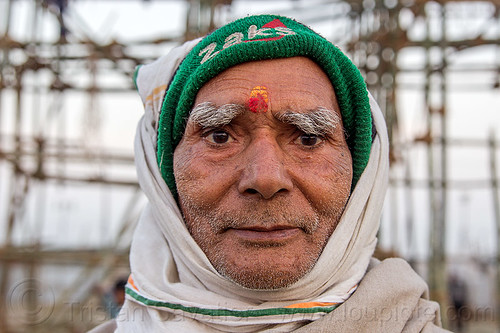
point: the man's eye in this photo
(309, 140)
(218, 137)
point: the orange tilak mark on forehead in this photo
(259, 100)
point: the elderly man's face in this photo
(263, 171)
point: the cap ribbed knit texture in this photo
(242, 41)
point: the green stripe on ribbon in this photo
(229, 313)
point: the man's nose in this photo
(265, 172)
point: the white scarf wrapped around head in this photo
(173, 286)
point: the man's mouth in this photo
(257, 234)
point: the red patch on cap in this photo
(274, 24)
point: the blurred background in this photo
(69, 200)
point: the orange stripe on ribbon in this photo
(310, 305)
(131, 282)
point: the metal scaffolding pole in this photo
(496, 209)
(48, 155)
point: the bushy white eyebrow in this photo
(208, 115)
(320, 121)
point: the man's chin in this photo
(274, 272)
(266, 280)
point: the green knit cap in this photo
(258, 38)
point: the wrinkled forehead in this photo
(296, 84)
